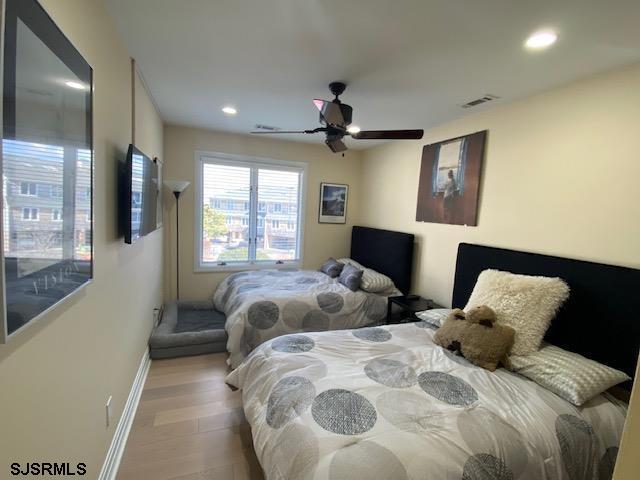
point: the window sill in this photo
(245, 266)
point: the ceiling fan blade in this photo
(388, 135)
(336, 145)
(330, 112)
(315, 130)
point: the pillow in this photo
(569, 375)
(372, 281)
(523, 302)
(435, 316)
(350, 277)
(332, 267)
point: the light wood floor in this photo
(189, 425)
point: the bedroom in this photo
(558, 178)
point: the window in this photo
(30, 214)
(252, 236)
(28, 188)
(56, 215)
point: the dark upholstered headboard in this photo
(387, 252)
(601, 318)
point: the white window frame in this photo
(28, 184)
(30, 216)
(217, 158)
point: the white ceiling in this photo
(408, 63)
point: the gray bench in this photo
(188, 328)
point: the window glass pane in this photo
(277, 223)
(225, 221)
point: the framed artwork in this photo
(333, 203)
(449, 183)
(47, 168)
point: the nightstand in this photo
(407, 307)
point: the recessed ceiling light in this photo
(353, 129)
(229, 110)
(76, 85)
(541, 40)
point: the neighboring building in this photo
(36, 212)
(277, 216)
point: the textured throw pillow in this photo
(523, 302)
(569, 375)
(372, 281)
(350, 277)
(435, 316)
(332, 267)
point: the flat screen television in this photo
(141, 195)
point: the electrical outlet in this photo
(107, 411)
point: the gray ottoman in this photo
(188, 328)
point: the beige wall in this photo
(561, 177)
(320, 240)
(58, 374)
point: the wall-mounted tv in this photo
(141, 195)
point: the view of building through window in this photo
(249, 213)
(36, 214)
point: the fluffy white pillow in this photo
(372, 281)
(523, 302)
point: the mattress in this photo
(387, 403)
(264, 304)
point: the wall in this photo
(57, 375)
(321, 241)
(560, 177)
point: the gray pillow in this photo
(351, 277)
(435, 316)
(573, 377)
(332, 267)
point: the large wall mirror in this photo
(47, 167)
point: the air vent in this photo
(479, 101)
(268, 128)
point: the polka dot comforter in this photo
(386, 403)
(264, 304)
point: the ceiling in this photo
(408, 63)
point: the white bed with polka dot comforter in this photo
(386, 403)
(263, 304)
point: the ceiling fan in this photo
(335, 117)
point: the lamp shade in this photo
(176, 185)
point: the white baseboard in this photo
(114, 455)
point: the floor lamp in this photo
(177, 187)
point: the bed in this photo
(263, 304)
(386, 403)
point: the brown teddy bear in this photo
(477, 337)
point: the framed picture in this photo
(47, 168)
(333, 203)
(449, 182)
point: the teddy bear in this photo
(477, 337)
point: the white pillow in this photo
(523, 302)
(372, 281)
(569, 375)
